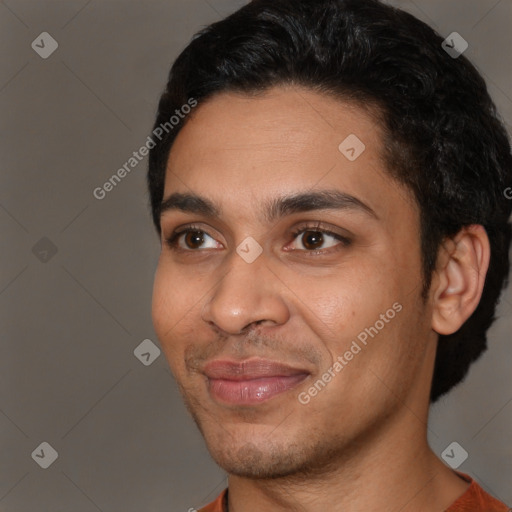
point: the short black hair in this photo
(443, 137)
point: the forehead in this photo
(283, 122)
(288, 138)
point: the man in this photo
(335, 235)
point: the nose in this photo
(249, 293)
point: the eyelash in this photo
(317, 228)
(171, 241)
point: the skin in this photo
(361, 442)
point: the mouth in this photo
(251, 381)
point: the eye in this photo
(313, 238)
(190, 239)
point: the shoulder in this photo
(218, 505)
(475, 499)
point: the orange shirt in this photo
(475, 499)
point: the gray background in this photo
(69, 325)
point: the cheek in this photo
(347, 297)
(161, 304)
(350, 306)
(170, 312)
(171, 301)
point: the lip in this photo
(251, 381)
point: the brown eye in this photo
(312, 239)
(194, 239)
(191, 240)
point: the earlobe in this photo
(462, 267)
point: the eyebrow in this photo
(274, 209)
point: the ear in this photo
(462, 265)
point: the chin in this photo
(250, 446)
(259, 462)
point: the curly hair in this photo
(443, 137)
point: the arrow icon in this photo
(44, 455)
(352, 147)
(454, 455)
(44, 45)
(249, 250)
(146, 352)
(455, 45)
(44, 250)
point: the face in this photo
(287, 296)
